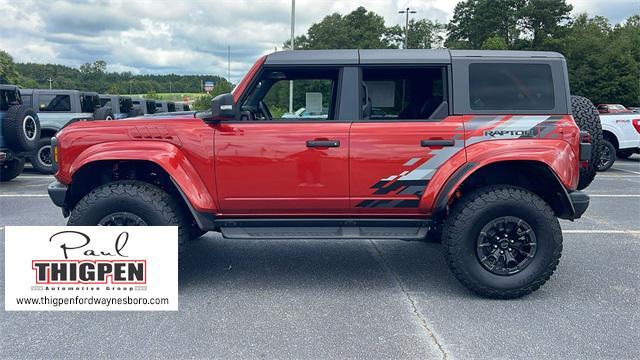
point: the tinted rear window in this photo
(510, 87)
(7, 98)
(52, 102)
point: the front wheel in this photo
(607, 155)
(11, 169)
(41, 158)
(502, 241)
(130, 203)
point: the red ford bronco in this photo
(478, 148)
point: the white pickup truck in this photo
(621, 137)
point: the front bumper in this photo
(579, 202)
(58, 193)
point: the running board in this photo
(323, 228)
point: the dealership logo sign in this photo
(91, 268)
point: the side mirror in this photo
(222, 107)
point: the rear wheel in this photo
(11, 169)
(502, 241)
(41, 158)
(130, 203)
(607, 155)
(587, 119)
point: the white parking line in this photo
(36, 177)
(601, 231)
(629, 171)
(614, 195)
(24, 195)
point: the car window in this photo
(151, 107)
(104, 101)
(402, 93)
(313, 95)
(51, 102)
(509, 86)
(89, 103)
(7, 97)
(125, 105)
(171, 107)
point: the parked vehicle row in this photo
(50, 111)
(621, 137)
(19, 133)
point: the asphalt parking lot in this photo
(357, 299)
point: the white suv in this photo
(621, 137)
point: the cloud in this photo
(191, 37)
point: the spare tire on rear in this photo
(21, 128)
(103, 113)
(586, 116)
(135, 113)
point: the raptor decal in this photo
(418, 171)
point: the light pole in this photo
(50, 82)
(229, 64)
(406, 25)
(293, 25)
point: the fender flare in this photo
(474, 164)
(167, 156)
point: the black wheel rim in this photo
(506, 245)
(29, 127)
(122, 219)
(44, 155)
(605, 156)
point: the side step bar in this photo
(324, 228)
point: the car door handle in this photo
(437, 142)
(323, 143)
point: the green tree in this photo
(423, 34)
(8, 72)
(359, 29)
(522, 24)
(495, 43)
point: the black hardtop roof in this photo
(9, 87)
(394, 56)
(47, 91)
(112, 96)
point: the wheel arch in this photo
(97, 173)
(611, 137)
(535, 176)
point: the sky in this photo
(191, 37)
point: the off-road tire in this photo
(480, 207)
(103, 113)
(586, 116)
(39, 159)
(135, 113)
(624, 153)
(147, 201)
(21, 128)
(607, 155)
(11, 169)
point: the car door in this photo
(275, 161)
(405, 135)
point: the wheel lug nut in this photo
(509, 249)
(511, 241)
(501, 251)
(495, 246)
